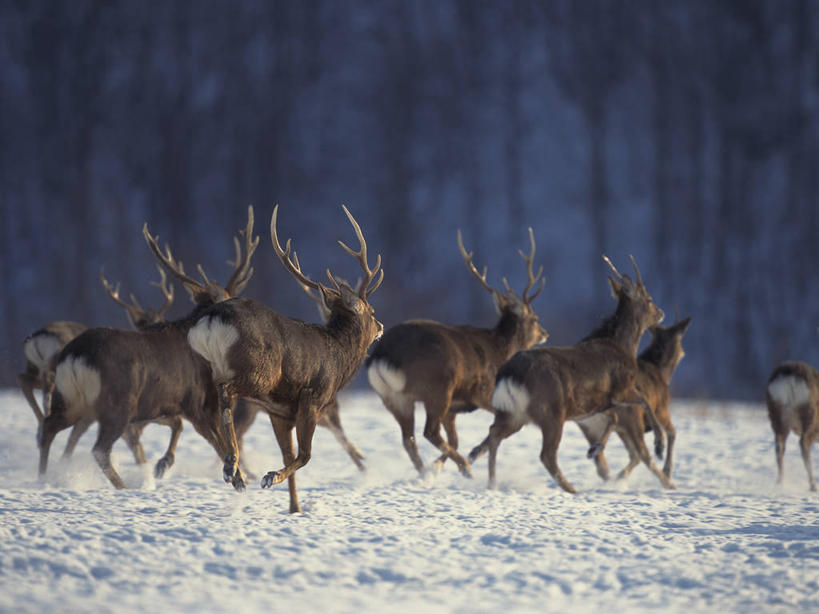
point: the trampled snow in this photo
(727, 539)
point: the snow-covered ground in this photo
(389, 541)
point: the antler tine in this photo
(616, 272)
(636, 270)
(533, 279)
(361, 256)
(167, 291)
(242, 269)
(175, 268)
(284, 255)
(467, 256)
(308, 290)
(113, 291)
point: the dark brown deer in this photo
(550, 385)
(41, 349)
(792, 396)
(656, 366)
(293, 368)
(451, 369)
(121, 377)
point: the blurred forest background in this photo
(684, 132)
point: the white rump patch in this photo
(511, 397)
(595, 424)
(212, 338)
(40, 349)
(385, 380)
(789, 392)
(79, 384)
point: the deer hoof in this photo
(162, 465)
(238, 482)
(271, 479)
(595, 450)
(230, 468)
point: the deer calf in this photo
(792, 396)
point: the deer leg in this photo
(501, 428)
(244, 413)
(779, 444)
(804, 444)
(108, 434)
(552, 434)
(52, 425)
(403, 410)
(432, 431)
(448, 422)
(671, 435)
(332, 421)
(27, 384)
(231, 472)
(166, 462)
(283, 429)
(479, 450)
(131, 436)
(306, 421)
(76, 433)
(637, 440)
(633, 456)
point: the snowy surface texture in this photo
(727, 540)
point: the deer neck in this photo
(506, 335)
(347, 333)
(625, 328)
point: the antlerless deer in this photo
(792, 396)
(549, 385)
(656, 366)
(451, 369)
(120, 377)
(294, 368)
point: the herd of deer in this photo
(231, 357)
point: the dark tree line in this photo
(682, 132)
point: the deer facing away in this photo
(293, 368)
(792, 397)
(451, 369)
(656, 366)
(549, 385)
(121, 377)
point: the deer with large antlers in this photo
(550, 385)
(451, 369)
(656, 366)
(42, 346)
(293, 368)
(121, 377)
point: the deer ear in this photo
(499, 300)
(616, 288)
(683, 325)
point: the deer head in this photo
(633, 295)
(509, 301)
(341, 300)
(141, 318)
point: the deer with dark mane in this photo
(117, 377)
(656, 366)
(293, 368)
(42, 347)
(549, 385)
(451, 369)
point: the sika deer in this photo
(294, 368)
(792, 396)
(121, 377)
(548, 386)
(451, 369)
(41, 349)
(656, 366)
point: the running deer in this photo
(550, 385)
(42, 346)
(792, 396)
(451, 369)
(293, 368)
(656, 366)
(121, 377)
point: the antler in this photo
(616, 272)
(467, 256)
(361, 256)
(636, 270)
(195, 288)
(135, 311)
(291, 265)
(242, 269)
(533, 279)
(167, 291)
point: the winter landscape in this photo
(386, 540)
